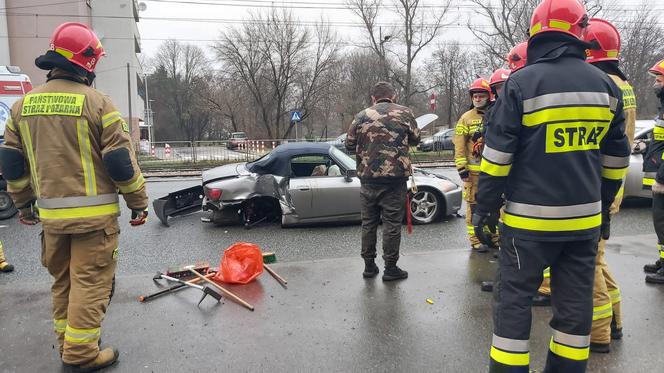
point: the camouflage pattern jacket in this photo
(381, 136)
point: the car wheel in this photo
(425, 206)
(7, 208)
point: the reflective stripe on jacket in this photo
(64, 129)
(469, 123)
(555, 147)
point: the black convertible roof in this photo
(278, 160)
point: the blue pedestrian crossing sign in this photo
(295, 116)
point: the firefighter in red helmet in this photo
(468, 140)
(518, 56)
(68, 152)
(497, 80)
(604, 40)
(653, 177)
(534, 149)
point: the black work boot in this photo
(6, 267)
(483, 248)
(541, 300)
(653, 268)
(370, 269)
(106, 358)
(392, 272)
(616, 332)
(600, 348)
(487, 286)
(656, 278)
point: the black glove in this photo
(464, 174)
(28, 214)
(605, 228)
(482, 219)
(139, 217)
(476, 136)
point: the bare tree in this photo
(642, 45)
(182, 83)
(500, 25)
(418, 26)
(316, 78)
(451, 69)
(270, 55)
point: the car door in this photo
(299, 184)
(335, 197)
(301, 197)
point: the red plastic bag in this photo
(242, 263)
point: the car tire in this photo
(426, 206)
(7, 208)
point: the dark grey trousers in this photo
(386, 202)
(658, 216)
(519, 274)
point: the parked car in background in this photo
(236, 139)
(441, 140)
(634, 180)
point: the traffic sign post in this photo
(296, 117)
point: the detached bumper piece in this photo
(178, 203)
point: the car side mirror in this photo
(349, 174)
(640, 147)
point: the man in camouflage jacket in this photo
(381, 136)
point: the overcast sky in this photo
(201, 21)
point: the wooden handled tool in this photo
(205, 289)
(274, 274)
(172, 289)
(226, 292)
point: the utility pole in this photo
(148, 112)
(129, 98)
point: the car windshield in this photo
(347, 162)
(241, 135)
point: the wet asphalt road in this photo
(154, 247)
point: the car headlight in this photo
(427, 141)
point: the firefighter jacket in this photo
(469, 125)
(652, 160)
(556, 146)
(629, 106)
(68, 147)
(381, 137)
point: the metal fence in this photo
(204, 153)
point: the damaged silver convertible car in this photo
(299, 184)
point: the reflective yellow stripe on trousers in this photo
(59, 325)
(602, 312)
(570, 346)
(75, 335)
(511, 352)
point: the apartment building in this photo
(26, 27)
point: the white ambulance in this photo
(13, 85)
